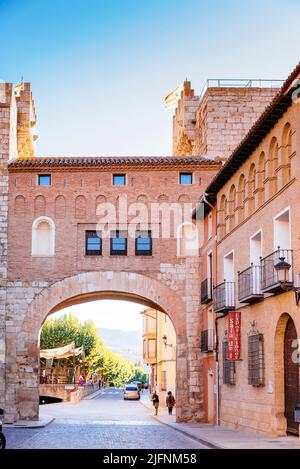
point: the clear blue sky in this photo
(100, 69)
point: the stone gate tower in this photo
(17, 136)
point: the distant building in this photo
(159, 351)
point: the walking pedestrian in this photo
(155, 400)
(170, 401)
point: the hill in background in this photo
(125, 343)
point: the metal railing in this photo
(206, 291)
(207, 341)
(223, 297)
(269, 275)
(240, 83)
(249, 283)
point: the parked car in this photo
(131, 391)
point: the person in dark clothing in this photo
(170, 402)
(155, 400)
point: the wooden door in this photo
(291, 378)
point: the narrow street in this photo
(105, 422)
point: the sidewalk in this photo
(222, 438)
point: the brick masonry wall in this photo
(37, 285)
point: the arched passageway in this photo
(88, 287)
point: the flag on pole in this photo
(17, 90)
(173, 97)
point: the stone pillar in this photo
(193, 328)
(5, 105)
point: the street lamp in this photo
(282, 268)
(165, 341)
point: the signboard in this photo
(234, 336)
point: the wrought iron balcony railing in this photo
(223, 297)
(206, 291)
(249, 285)
(207, 341)
(270, 282)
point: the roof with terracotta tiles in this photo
(103, 161)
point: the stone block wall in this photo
(224, 117)
(5, 102)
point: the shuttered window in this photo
(256, 360)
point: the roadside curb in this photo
(93, 395)
(31, 424)
(203, 441)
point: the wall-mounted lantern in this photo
(282, 268)
(165, 341)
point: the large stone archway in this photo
(22, 396)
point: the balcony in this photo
(270, 282)
(207, 341)
(249, 285)
(206, 291)
(224, 297)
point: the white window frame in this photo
(287, 209)
(260, 231)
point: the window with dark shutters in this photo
(255, 359)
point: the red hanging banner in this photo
(234, 336)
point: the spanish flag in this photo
(173, 97)
(17, 90)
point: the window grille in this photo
(255, 358)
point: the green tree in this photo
(66, 329)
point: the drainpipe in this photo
(218, 370)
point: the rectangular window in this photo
(152, 348)
(118, 243)
(186, 178)
(119, 180)
(93, 244)
(44, 179)
(255, 360)
(143, 243)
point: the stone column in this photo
(5, 102)
(193, 327)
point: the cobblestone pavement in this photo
(104, 422)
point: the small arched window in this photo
(232, 207)
(273, 166)
(188, 240)
(43, 237)
(286, 151)
(241, 197)
(260, 178)
(222, 217)
(251, 189)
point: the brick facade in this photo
(255, 202)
